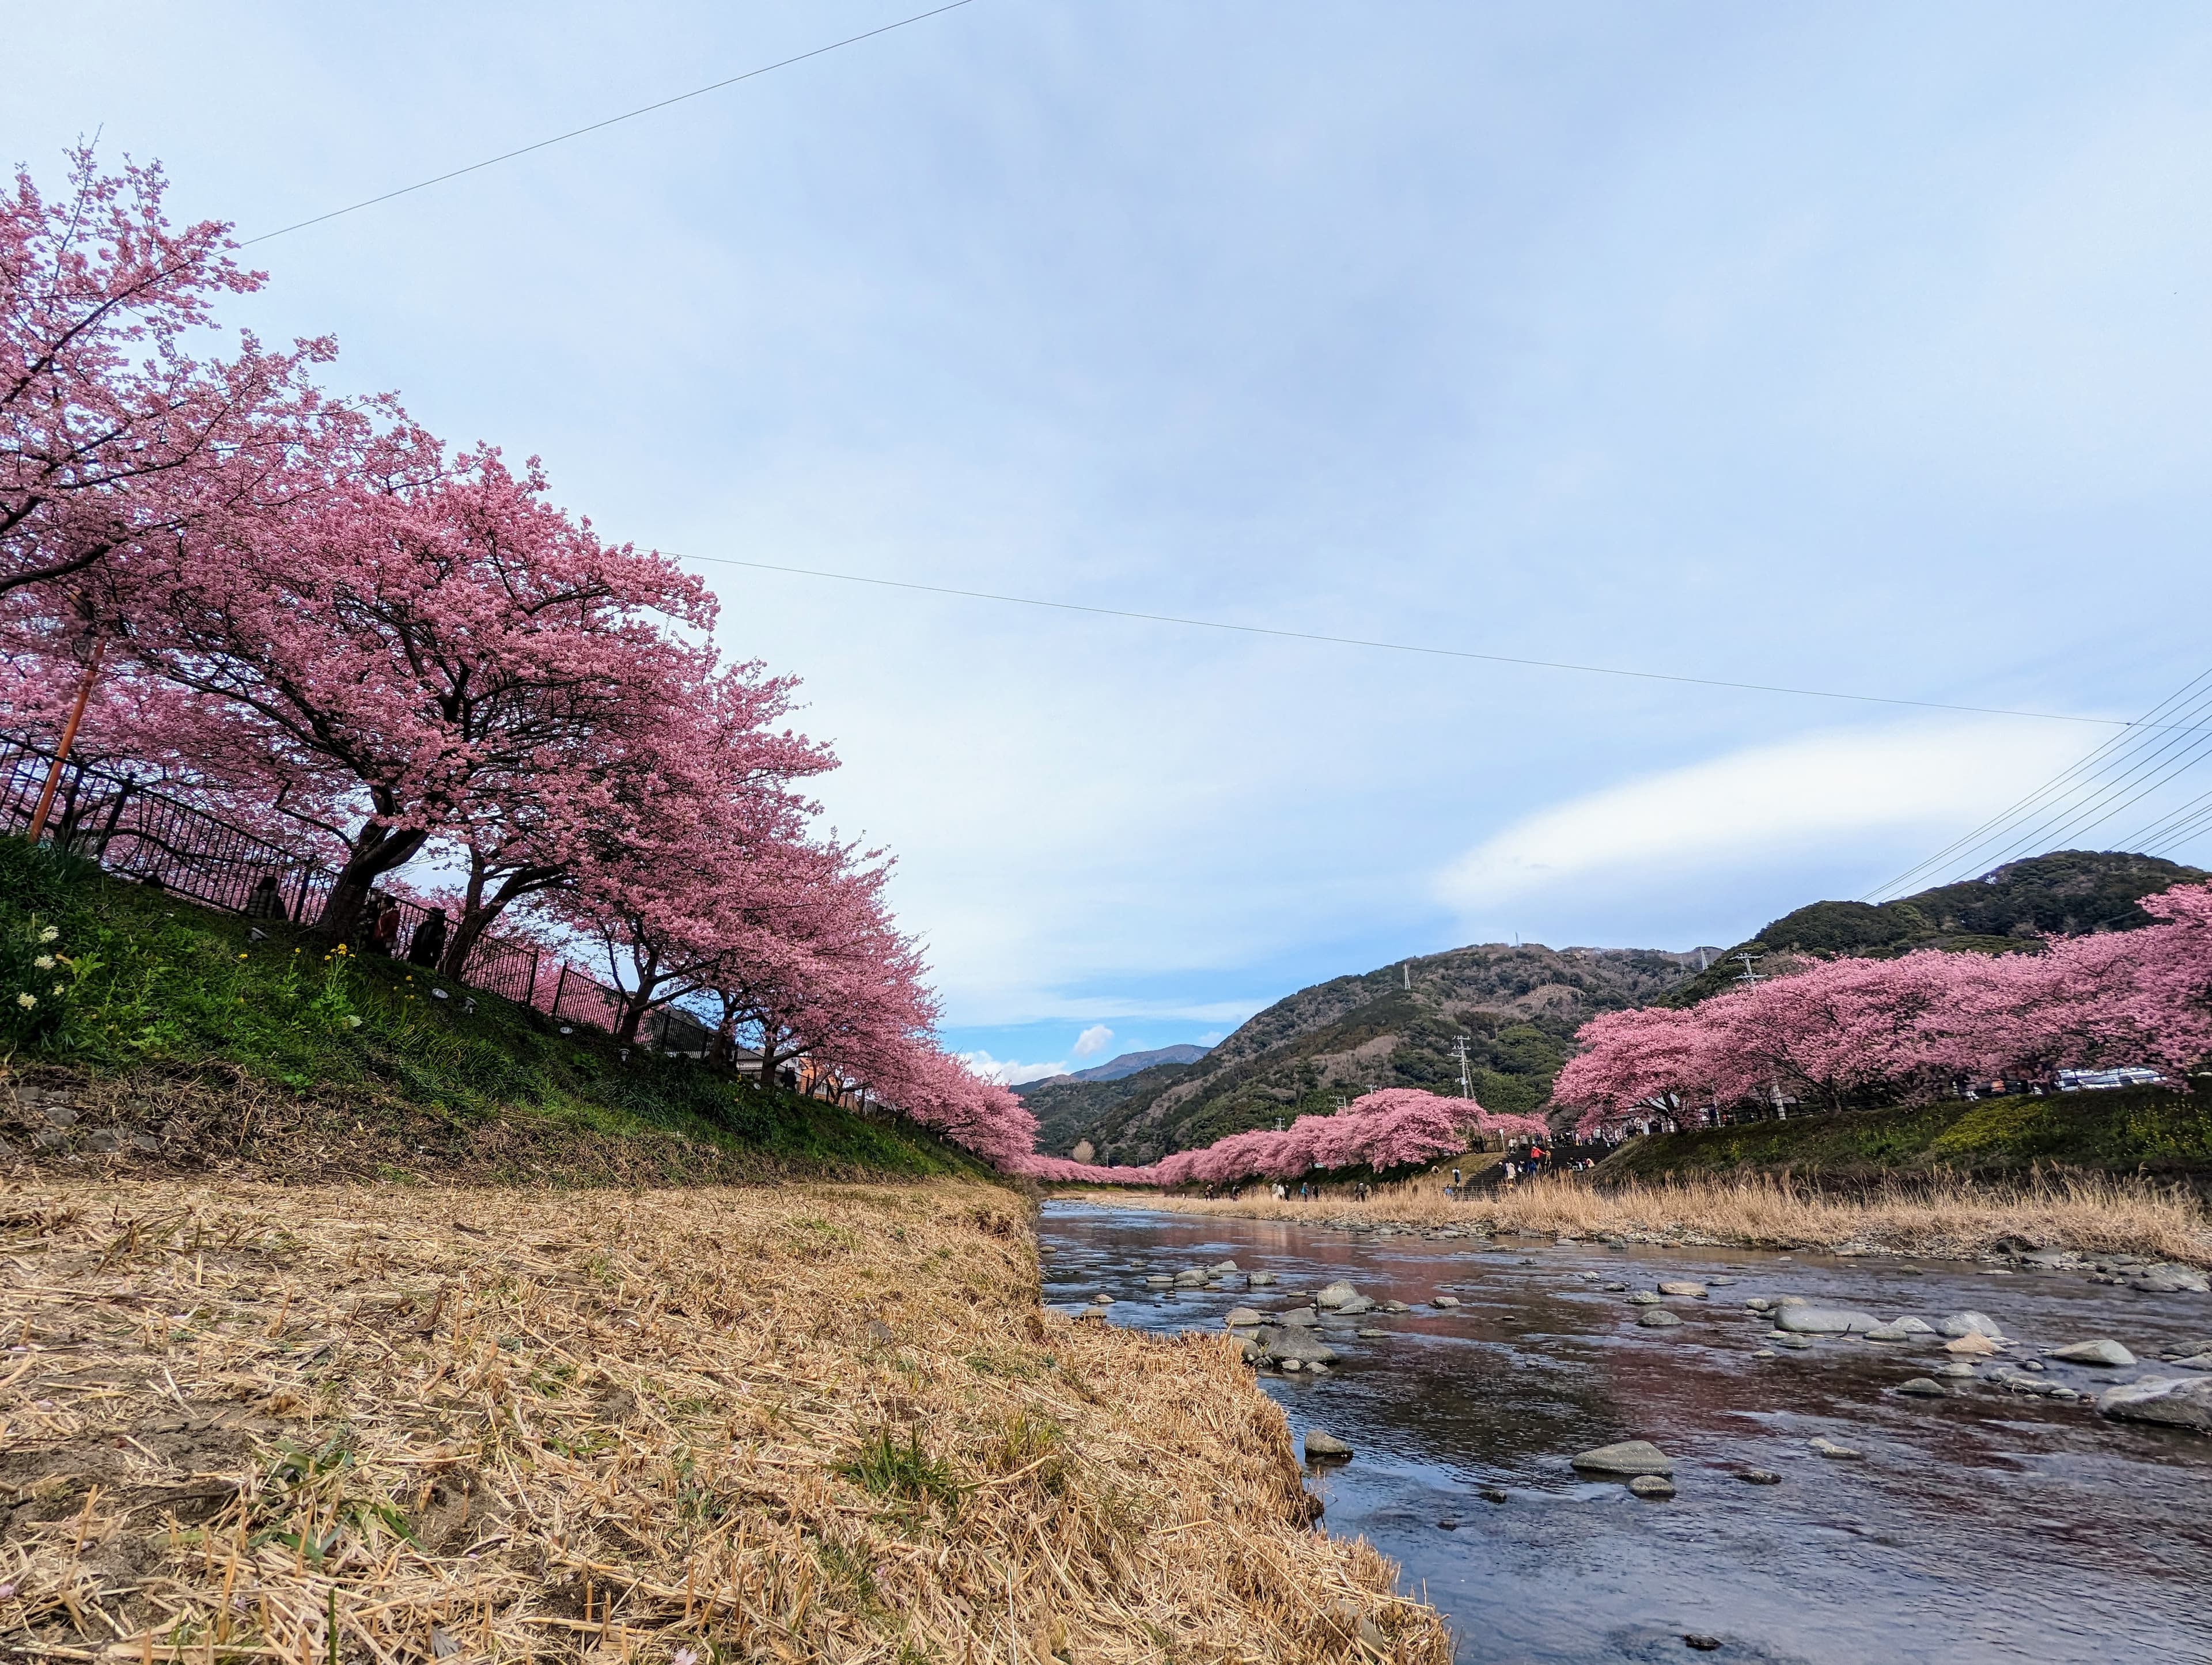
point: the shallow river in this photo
(1979, 1527)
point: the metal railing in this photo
(136, 830)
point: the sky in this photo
(1861, 350)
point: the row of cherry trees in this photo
(1847, 1032)
(377, 649)
(1395, 1128)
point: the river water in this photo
(1982, 1526)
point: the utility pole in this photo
(1466, 1082)
(1407, 966)
(1748, 975)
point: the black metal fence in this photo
(138, 831)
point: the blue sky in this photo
(1854, 348)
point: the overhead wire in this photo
(2103, 773)
(609, 121)
(1384, 646)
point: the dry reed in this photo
(814, 1422)
(1939, 1217)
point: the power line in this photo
(611, 121)
(1401, 647)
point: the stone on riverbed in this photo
(1823, 1320)
(1335, 1294)
(1396, 1306)
(1889, 1333)
(2107, 1353)
(1295, 1344)
(1226, 1266)
(1443, 1300)
(1978, 1346)
(1644, 1297)
(1652, 1485)
(1657, 1318)
(1683, 1288)
(1261, 1279)
(1325, 1448)
(2199, 1361)
(2184, 1401)
(1159, 1281)
(1823, 1446)
(1960, 1324)
(1955, 1367)
(1354, 1307)
(1193, 1278)
(1242, 1317)
(2171, 1281)
(1627, 1456)
(1299, 1318)
(1758, 1304)
(1923, 1387)
(1759, 1477)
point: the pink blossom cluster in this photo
(1847, 1032)
(1396, 1128)
(375, 649)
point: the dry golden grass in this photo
(1946, 1218)
(815, 1422)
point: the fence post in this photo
(558, 989)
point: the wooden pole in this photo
(69, 739)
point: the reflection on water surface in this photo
(1978, 1528)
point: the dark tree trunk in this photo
(377, 850)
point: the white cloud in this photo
(1008, 1074)
(1093, 1041)
(1766, 802)
(1212, 1037)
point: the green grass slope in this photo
(2144, 1130)
(161, 1033)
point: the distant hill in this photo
(1127, 1064)
(1518, 1007)
(2009, 909)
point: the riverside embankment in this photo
(818, 1421)
(1947, 1218)
(1999, 1517)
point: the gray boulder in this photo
(1960, 1324)
(1956, 1367)
(1354, 1307)
(1888, 1333)
(2171, 1281)
(1396, 1306)
(2171, 1401)
(1242, 1317)
(1443, 1300)
(1683, 1288)
(1652, 1485)
(1922, 1387)
(1912, 1326)
(1335, 1295)
(1823, 1320)
(2200, 1361)
(1299, 1318)
(1627, 1456)
(1326, 1448)
(1226, 1266)
(2107, 1353)
(1657, 1318)
(1261, 1279)
(1295, 1345)
(1644, 1297)
(1824, 1447)
(1158, 1281)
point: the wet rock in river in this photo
(1889, 1333)
(1655, 1318)
(1685, 1287)
(1242, 1317)
(1912, 1326)
(1758, 1304)
(1443, 1300)
(1974, 1346)
(1824, 1447)
(1299, 1318)
(1159, 1281)
(1923, 1387)
(1261, 1279)
(1644, 1297)
(1627, 1456)
(1225, 1265)
(1795, 1343)
(1720, 1282)
(1616, 1289)
(2195, 1361)
(1335, 1294)
(1193, 1278)
(1325, 1448)
(1295, 1345)
(1356, 1305)
(2171, 1281)
(1652, 1485)
(1823, 1320)
(1368, 1335)
(1961, 1324)
(2107, 1353)
(1955, 1367)
(2184, 1401)
(1759, 1477)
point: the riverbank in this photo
(1941, 1218)
(814, 1420)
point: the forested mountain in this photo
(1518, 1008)
(2009, 909)
(1115, 1068)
